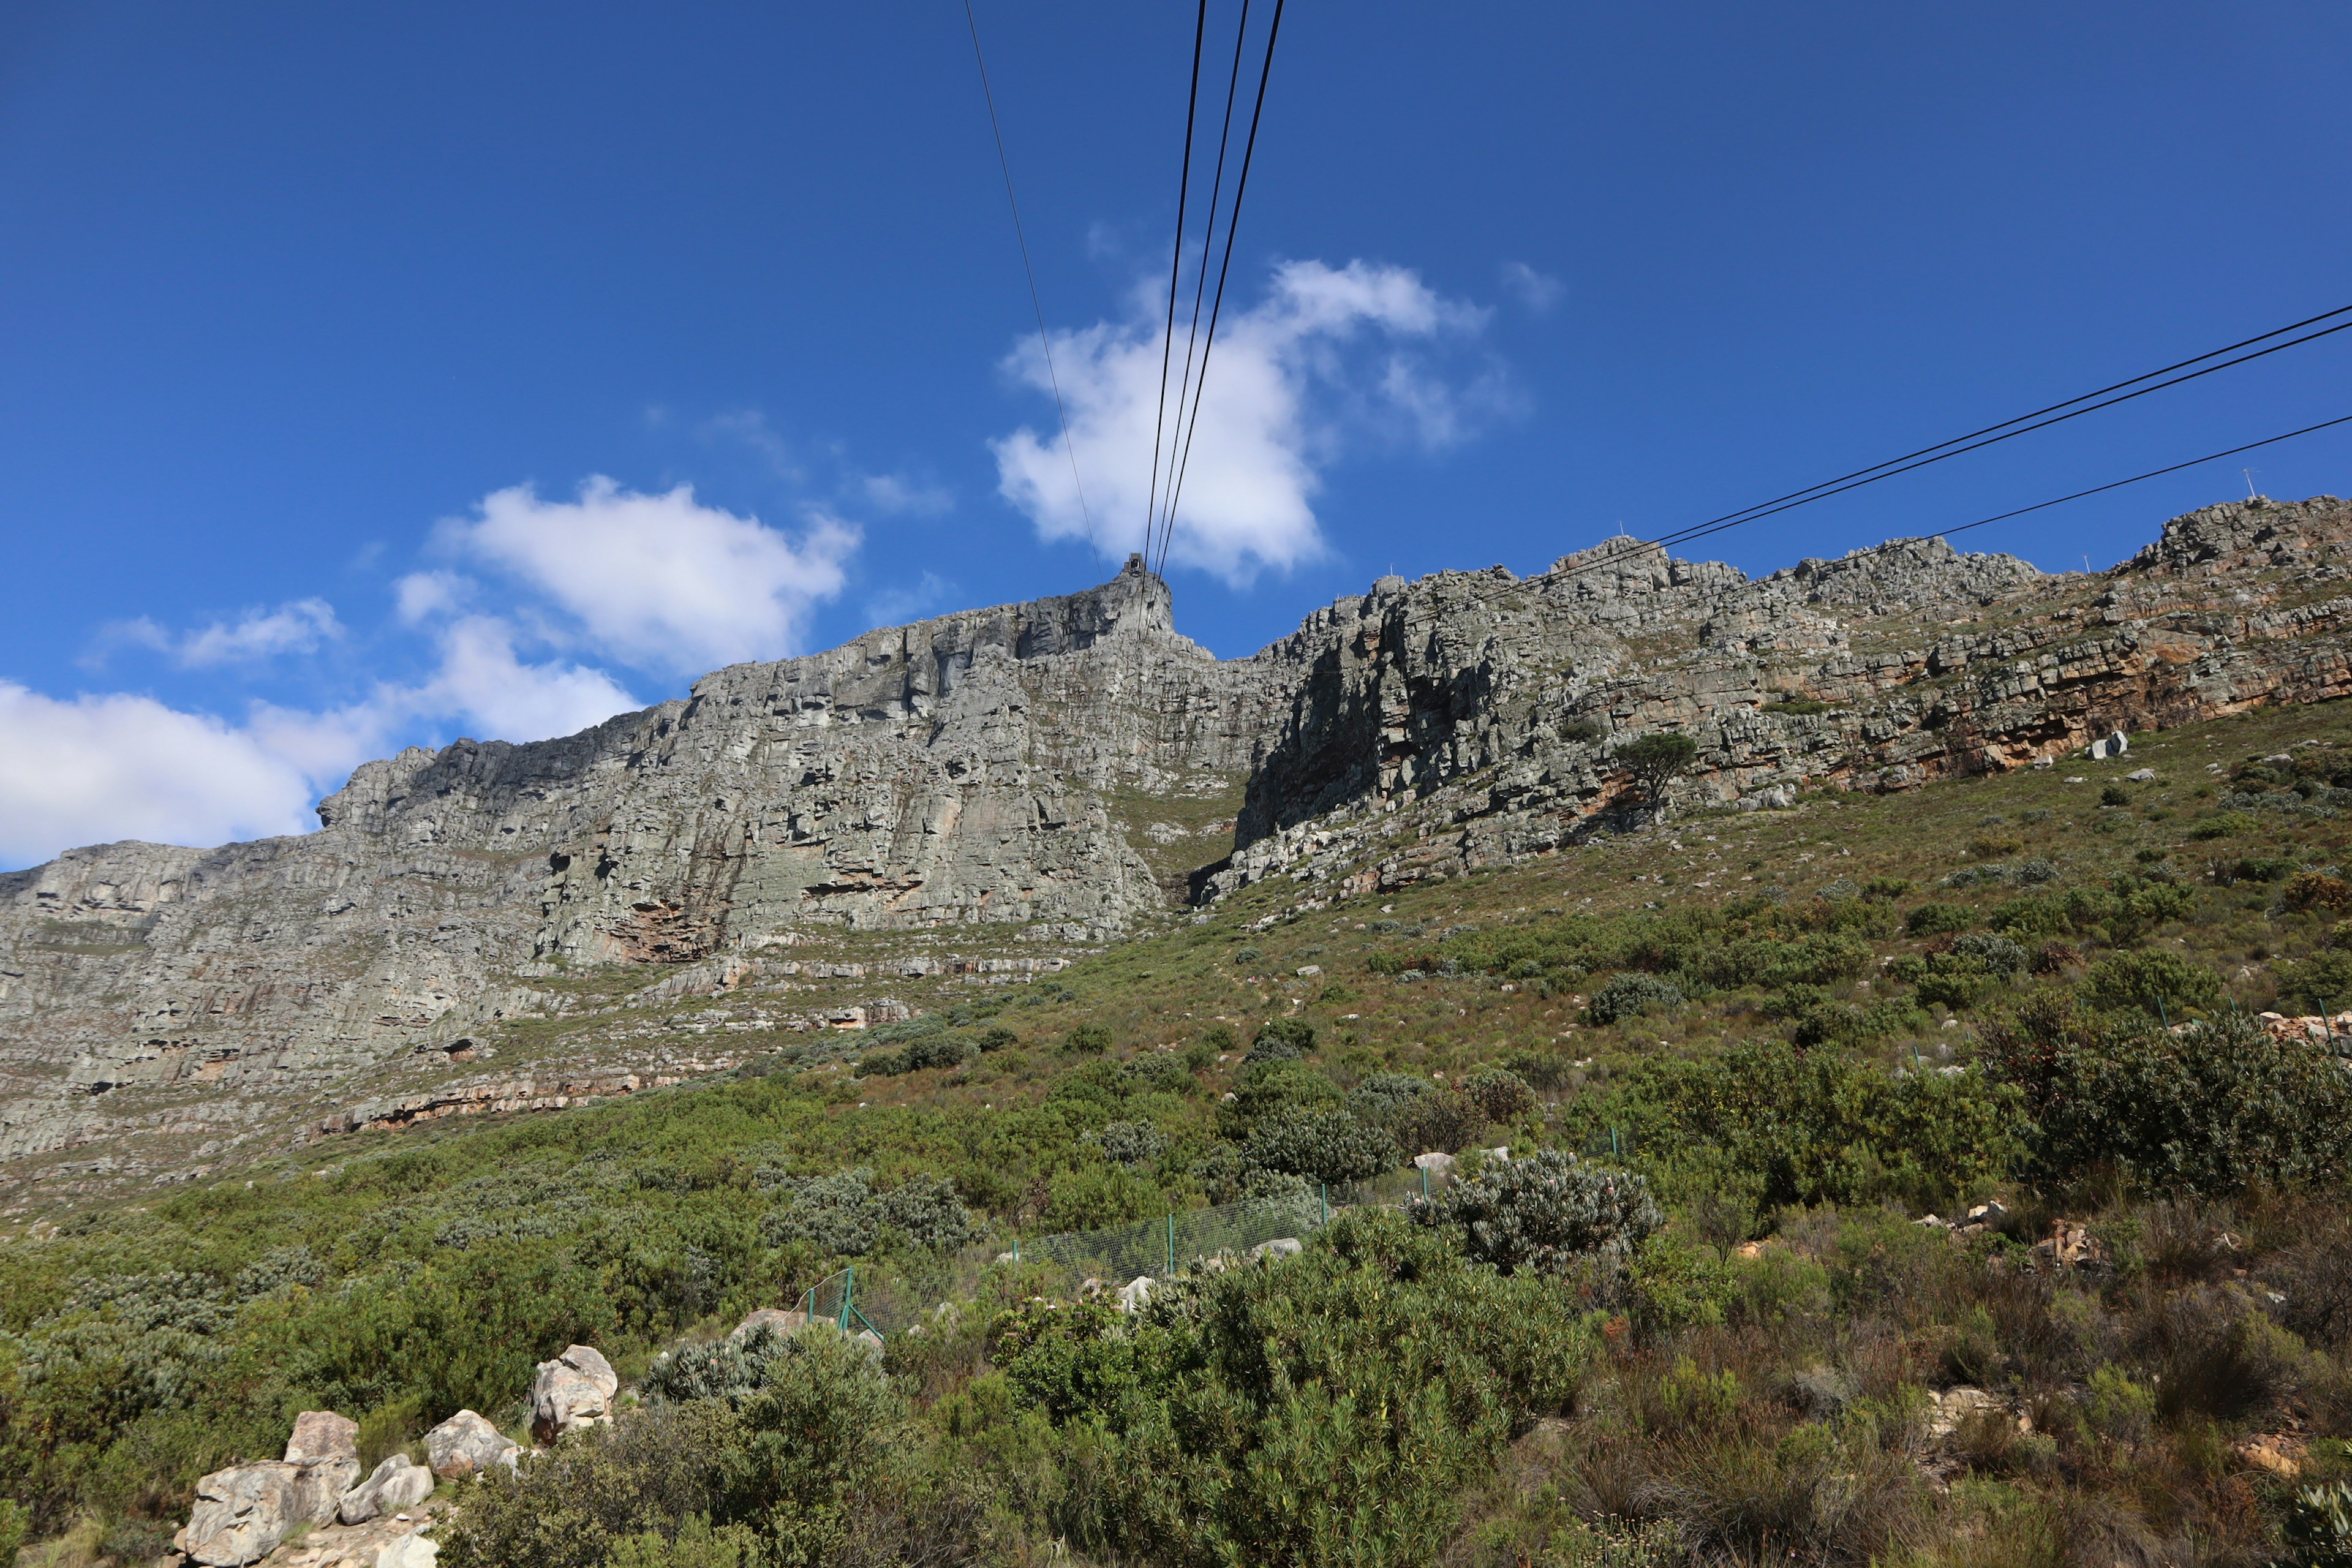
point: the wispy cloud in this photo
(298, 626)
(1536, 291)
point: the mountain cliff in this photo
(964, 800)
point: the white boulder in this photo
(1135, 1293)
(468, 1444)
(1280, 1247)
(574, 1390)
(774, 1318)
(395, 1484)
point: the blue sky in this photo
(376, 375)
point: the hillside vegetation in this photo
(1701, 1314)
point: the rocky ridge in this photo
(820, 843)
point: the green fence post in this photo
(849, 1286)
(1172, 1246)
(1424, 1181)
(1016, 1247)
(1614, 1152)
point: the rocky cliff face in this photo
(1047, 772)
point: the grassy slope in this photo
(400, 1275)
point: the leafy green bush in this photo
(2322, 981)
(800, 1458)
(2155, 981)
(1331, 1409)
(1582, 732)
(2319, 1526)
(1544, 1213)
(1132, 1142)
(937, 1051)
(1270, 1091)
(843, 1215)
(1629, 995)
(1811, 1126)
(1935, 920)
(1282, 1040)
(2215, 1108)
(1381, 1097)
(2224, 824)
(1321, 1146)
(1087, 1040)
(1996, 954)
(1498, 1094)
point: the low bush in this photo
(1087, 1040)
(1498, 1094)
(1545, 1213)
(1131, 1143)
(842, 1216)
(1332, 1408)
(2162, 985)
(1282, 1040)
(2215, 1108)
(1631, 994)
(1935, 920)
(1322, 1146)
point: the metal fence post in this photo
(849, 1286)
(1172, 1246)
(1424, 1181)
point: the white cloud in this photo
(1538, 292)
(1290, 380)
(97, 769)
(660, 580)
(298, 626)
(420, 595)
(507, 699)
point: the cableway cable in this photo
(1635, 546)
(1233, 226)
(1895, 465)
(1043, 342)
(1175, 265)
(1209, 234)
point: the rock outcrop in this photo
(397, 1483)
(574, 1390)
(241, 1514)
(1017, 773)
(466, 1445)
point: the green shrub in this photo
(1498, 1094)
(802, 1460)
(1321, 1146)
(843, 1215)
(2322, 981)
(1996, 954)
(2213, 1109)
(1132, 1142)
(996, 1037)
(1331, 1409)
(2114, 795)
(2224, 824)
(1246, 954)
(2319, 1528)
(1087, 1040)
(1379, 1098)
(1629, 995)
(1935, 920)
(1886, 889)
(2319, 890)
(1582, 732)
(1812, 1127)
(2155, 981)
(1270, 1091)
(1282, 1040)
(1544, 1213)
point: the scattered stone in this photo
(242, 1513)
(2141, 775)
(1280, 1247)
(1435, 1163)
(322, 1435)
(573, 1391)
(2070, 1245)
(1956, 1406)
(468, 1444)
(2280, 1453)
(1135, 1293)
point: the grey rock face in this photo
(1017, 770)
(241, 1514)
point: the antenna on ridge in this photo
(2249, 482)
